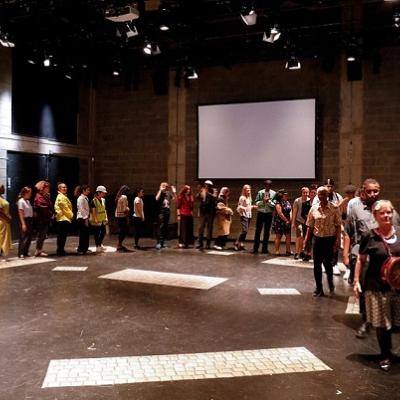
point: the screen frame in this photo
(316, 139)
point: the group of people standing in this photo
(90, 215)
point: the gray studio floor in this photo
(180, 324)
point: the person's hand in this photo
(106, 222)
(357, 289)
(173, 188)
(143, 219)
(254, 207)
(24, 228)
(87, 222)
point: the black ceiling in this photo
(202, 32)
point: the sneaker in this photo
(181, 246)
(236, 247)
(318, 293)
(362, 331)
(331, 291)
(385, 365)
(158, 246)
(336, 270)
(21, 257)
(296, 256)
(217, 247)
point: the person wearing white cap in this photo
(98, 217)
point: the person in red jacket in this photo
(184, 209)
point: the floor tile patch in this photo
(70, 268)
(278, 291)
(175, 367)
(220, 253)
(165, 278)
(17, 262)
(289, 261)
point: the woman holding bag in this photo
(382, 302)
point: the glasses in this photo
(372, 191)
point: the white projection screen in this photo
(271, 139)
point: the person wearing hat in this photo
(324, 223)
(64, 215)
(98, 217)
(265, 208)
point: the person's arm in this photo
(282, 216)
(346, 249)
(310, 227)
(105, 211)
(3, 216)
(295, 211)
(259, 199)
(93, 212)
(361, 260)
(338, 225)
(21, 216)
(139, 210)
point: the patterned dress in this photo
(279, 226)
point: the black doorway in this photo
(25, 169)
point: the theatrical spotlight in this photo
(396, 19)
(47, 61)
(293, 63)
(5, 41)
(249, 15)
(191, 73)
(127, 30)
(151, 49)
(272, 35)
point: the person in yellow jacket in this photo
(5, 225)
(64, 216)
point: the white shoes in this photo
(217, 247)
(336, 270)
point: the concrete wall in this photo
(138, 138)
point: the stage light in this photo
(164, 27)
(47, 62)
(191, 73)
(272, 35)
(5, 41)
(293, 63)
(396, 19)
(151, 49)
(249, 15)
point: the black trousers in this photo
(206, 224)
(163, 220)
(123, 228)
(41, 229)
(264, 220)
(221, 240)
(323, 254)
(99, 232)
(83, 227)
(138, 226)
(63, 229)
(25, 238)
(186, 230)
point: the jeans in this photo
(25, 238)
(163, 220)
(245, 223)
(42, 229)
(99, 231)
(323, 254)
(123, 229)
(206, 220)
(138, 225)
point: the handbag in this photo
(390, 269)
